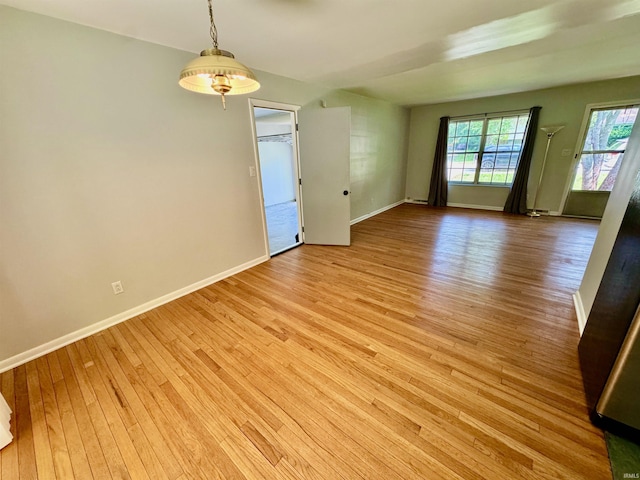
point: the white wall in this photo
(277, 169)
(379, 134)
(109, 171)
(276, 159)
(609, 226)
(276, 124)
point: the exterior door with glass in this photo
(599, 159)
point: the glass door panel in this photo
(599, 162)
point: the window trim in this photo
(485, 118)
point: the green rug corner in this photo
(624, 456)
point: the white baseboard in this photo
(475, 207)
(373, 214)
(553, 213)
(416, 201)
(580, 313)
(65, 340)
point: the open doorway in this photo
(277, 159)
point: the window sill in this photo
(463, 184)
(591, 191)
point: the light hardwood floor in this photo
(440, 345)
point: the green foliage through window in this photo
(619, 132)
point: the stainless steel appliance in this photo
(620, 399)
(610, 344)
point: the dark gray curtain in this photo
(517, 199)
(438, 188)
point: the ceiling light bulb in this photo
(221, 84)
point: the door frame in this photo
(581, 139)
(286, 107)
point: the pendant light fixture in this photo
(216, 72)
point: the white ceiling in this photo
(406, 51)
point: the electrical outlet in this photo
(566, 152)
(117, 287)
(252, 171)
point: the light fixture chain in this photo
(213, 30)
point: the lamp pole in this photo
(550, 131)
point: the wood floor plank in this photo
(9, 466)
(340, 427)
(77, 454)
(43, 450)
(221, 465)
(84, 365)
(117, 411)
(146, 436)
(183, 394)
(177, 435)
(440, 344)
(90, 443)
(426, 461)
(24, 435)
(57, 439)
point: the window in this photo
(485, 150)
(603, 148)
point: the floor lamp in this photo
(550, 131)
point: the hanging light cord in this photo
(213, 30)
(220, 83)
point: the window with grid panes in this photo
(485, 150)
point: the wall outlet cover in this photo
(117, 287)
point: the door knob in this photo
(346, 192)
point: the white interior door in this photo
(325, 144)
